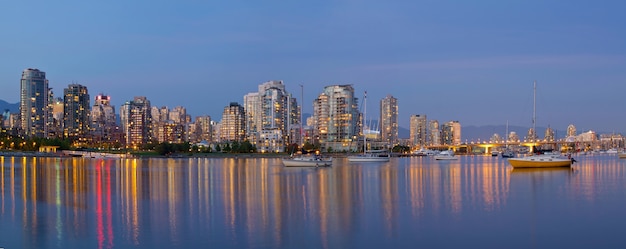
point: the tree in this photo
(227, 147)
(218, 148)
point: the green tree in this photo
(227, 147)
(218, 148)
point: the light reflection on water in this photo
(257, 203)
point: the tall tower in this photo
(389, 119)
(136, 121)
(336, 117)
(418, 130)
(103, 121)
(451, 133)
(75, 111)
(273, 109)
(34, 110)
(233, 123)
(434, 136)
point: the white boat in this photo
(423, 152)
(307, 161)
(368, 156)
(446, 155)
(541, 161)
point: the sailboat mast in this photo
(364, 115)
(534, 109)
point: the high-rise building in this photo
(451, 133)
(232, 127)
(55, 128)
(104, 126)
(252, 107)
(136, 121)
(202, 129)
(549, 135)
(76, 110)
(571, 130)
(273, 109)
(418, 131)
(434, 137)
(34, 109)
(336, 118)
(389, 120)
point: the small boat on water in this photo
(369, 157)
(446, 155)
(507, 154)
(541, 161)
(307, 161)
(621, 155)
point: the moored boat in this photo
(541, 161)
(307, 161)
(446, 155)
(621, 155)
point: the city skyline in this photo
(471, 62)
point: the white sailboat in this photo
(540, 160)
(368, 156)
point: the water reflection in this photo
(255, 202)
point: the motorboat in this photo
(621, 154)
(307, 161)
(541, 161)
(446, 155)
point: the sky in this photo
(470, 61)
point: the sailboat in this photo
(540, 160)
(507, 153)
(368, 156)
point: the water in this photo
(476, 202)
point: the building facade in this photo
(34, 108)
(76, 110)
(336, 118)
(389, 120)
(104, 128)
(451, 133)
(418, 132)
(232, 127)
(136, 122)
(271, 109)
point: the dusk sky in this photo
(471, 61)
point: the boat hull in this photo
(296, 162)
(546, 162)
(368, 159)
(621, 155)
(446, 158)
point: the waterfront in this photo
(477, 201)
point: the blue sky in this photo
(471, 61)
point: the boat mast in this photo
(301, 103)
(364, 115)
(534, 110)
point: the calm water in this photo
(476, 202)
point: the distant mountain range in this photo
(13, 108)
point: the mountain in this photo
(13, 108)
